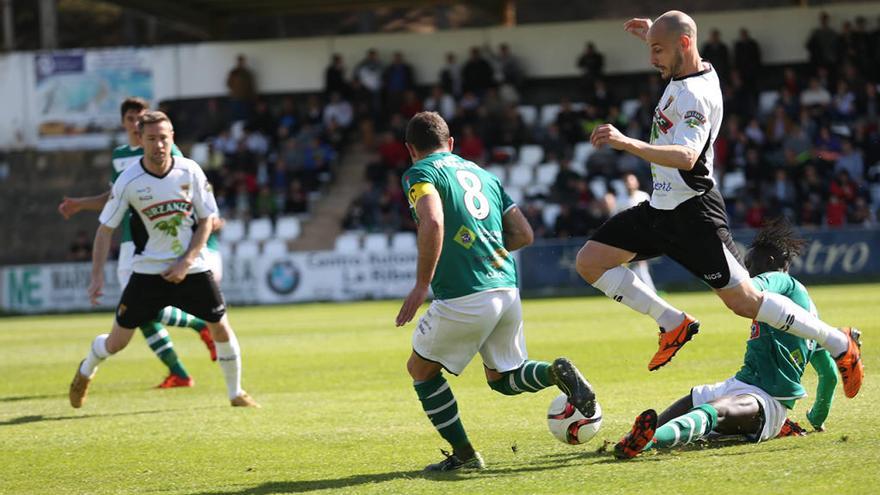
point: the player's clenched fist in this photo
(608, 134)
(638, 27)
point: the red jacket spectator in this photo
(835, 212)
(393, 152)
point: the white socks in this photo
(781, 312)
(229, 357)
(622, 285)
(97, 353)
(640, 268)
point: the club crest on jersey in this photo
(662, 121)
(165, 208)
(756, 330)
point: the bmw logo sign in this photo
(283, 277)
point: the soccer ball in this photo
(568, 425)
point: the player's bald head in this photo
(674, 24)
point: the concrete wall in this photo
(297, 65)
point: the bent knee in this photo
(586, 264)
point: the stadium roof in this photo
(206, 13)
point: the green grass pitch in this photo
(339, 414)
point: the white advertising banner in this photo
(54, 288)
(296, 277)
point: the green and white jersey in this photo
(473, 258)
(123, 157)
(775, 360)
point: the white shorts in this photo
(774, 412)
(453, 331)
(124, 264)
(126, 259)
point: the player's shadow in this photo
(547, 463)
(20, 398)
(40, 418)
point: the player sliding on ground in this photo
(467, 227)
(156, 336)
(685, 218)
(756, 400)
(175, 211)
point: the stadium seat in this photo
(287, 228)
(546, 173)
(529, 114)
(232, 231)
(598, 187)
(404, 241)
(530, 155)
(498, 171)
(731, 184)
(549, 214)
(275, 247)
(579, 167)
(630, 107)
(376, 243)
(766, 101)
(348, 242)
(520, 176)
(200, 153)
(247, 249)
(618, 188)
(225, 248)
(515, 193)
(259, 229)
(582, 152)
(548, 114)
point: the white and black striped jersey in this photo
(689, 114)
(164, 211)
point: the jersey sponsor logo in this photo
(465, 237)
(713, 276)
(165, 208)
(283, 277)
(695, 116)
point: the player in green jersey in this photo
(756, 400)
(156, 335)
(467, 227)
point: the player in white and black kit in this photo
(173, 211)
(685, 218)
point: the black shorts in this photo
(145, 295)
(694, 234)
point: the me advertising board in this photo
(846, 255)
(54, 288)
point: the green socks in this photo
(159, 341)
(530, 377)
(440, 406)
(177, 318)
(687, 428)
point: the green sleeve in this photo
(827, 371)
(175, 151)
(418, 174)
(775, 282)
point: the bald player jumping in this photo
(685, 218)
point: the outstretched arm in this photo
(827, 371)
(667, 155)
(71, 206)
